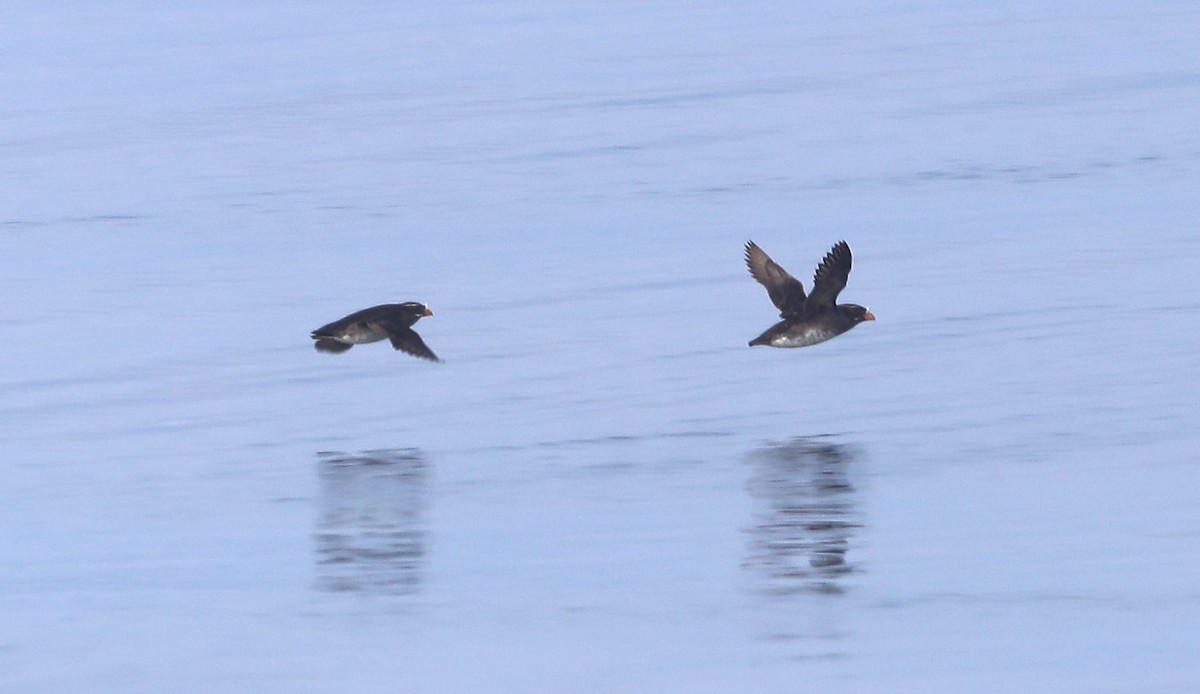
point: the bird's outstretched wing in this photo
(786, 292)
(830, 278)
(407, 340)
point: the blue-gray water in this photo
(991, 488)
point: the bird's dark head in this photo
(857, 313)
(417, 309)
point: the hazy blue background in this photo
(991, 488)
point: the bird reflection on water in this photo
(370, 535)
(806, 515)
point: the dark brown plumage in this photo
(387, 321)
(807, 319)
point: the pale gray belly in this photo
(361, 334)
(802, 338)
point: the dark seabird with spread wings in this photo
(388, 321)
(807, 319)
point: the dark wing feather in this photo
(786, 292)
(830, 278)
(325, 344)
(407, 340)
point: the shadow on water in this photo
(805, 515)
(370, 535)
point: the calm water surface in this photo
(991, 488)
